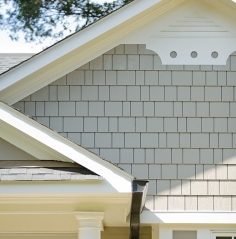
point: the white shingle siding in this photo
(173, 125)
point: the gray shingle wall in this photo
(173, 125)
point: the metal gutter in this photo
(139, 192)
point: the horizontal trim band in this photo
(148, 217)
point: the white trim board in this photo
(222, 233)
(203, 231)
(188, 217)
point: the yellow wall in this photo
(108, 233)
(124, 233)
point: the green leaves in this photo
(39, 19)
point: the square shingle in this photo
(23, 177)
(18, 171)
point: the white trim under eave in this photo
(148, 217)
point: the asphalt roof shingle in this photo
(16, 59)
(44, 171)
(9, 60)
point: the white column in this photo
(90, 224)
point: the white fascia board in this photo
(119, 179)
(148, 217)
(77, 40)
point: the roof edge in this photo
(69, 150)
(29, 71)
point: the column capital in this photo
(90, 220)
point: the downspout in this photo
(139, 192)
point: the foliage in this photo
(39, 19)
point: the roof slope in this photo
(73, 51)
(9, 60)
(45, 144)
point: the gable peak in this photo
(193, 24)
(193, 36)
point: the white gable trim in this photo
(40, 141)
(195, 36)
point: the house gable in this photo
(102, 36)
(173, 125)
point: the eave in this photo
(44, 144)
(60, 207)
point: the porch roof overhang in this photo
(41, 193)
(46, 144)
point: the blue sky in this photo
(9, 46)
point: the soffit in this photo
(55, 212)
